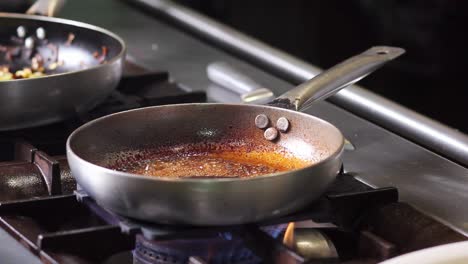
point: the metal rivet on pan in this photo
(29, 43)
(40, 33)
(271, 133)
(21, 32)
(261, 121)
(282, 124)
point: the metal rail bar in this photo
(420, 129)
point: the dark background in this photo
(430, 78)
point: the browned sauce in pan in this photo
(211, 164)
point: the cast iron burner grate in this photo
(343, 205)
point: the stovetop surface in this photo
(428, 181)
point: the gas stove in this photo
(43, 208)
(53, 218)
(392, 196)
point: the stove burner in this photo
(223, 249)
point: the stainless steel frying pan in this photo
(218, 201)
(76, 86)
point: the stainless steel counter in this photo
(428, 181)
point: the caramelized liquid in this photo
(212, 165)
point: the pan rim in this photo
(69, 150)
(74, 23)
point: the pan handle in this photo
(342, 75)
(227, 76)
(46, 7)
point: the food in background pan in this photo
(34, 56)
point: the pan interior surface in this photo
(225, 158)
(204, 140)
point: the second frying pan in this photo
(90, 68)
(131, 135)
